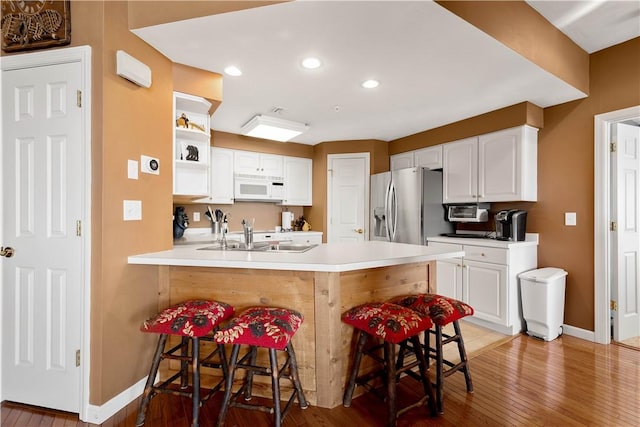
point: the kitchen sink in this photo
(261, 247)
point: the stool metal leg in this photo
(148, 391)
(357, 357)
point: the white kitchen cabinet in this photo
(302, 237)
(401, 160)
(487, 279)
(191, 142)
(298, 177)
(496, 167)
(430, 157)
(221, 177)
(260, 164)
(460, 171)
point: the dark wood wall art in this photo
(35, 24)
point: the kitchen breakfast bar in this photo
(320, 283)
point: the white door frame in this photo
(81, 54)
(602, 218)
(367, 172)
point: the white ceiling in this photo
(434, 68)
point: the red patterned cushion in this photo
(261, 326)
(391, 322)
(194, 318)
(442, 310)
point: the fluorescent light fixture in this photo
(274, 128)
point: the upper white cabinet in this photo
(251, 163)
(191, 145)
(430, 157)
(496, 167)
(221, 177)
(401, 160)
(298, 175)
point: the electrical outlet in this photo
(570, 218)
(150, 165)
(196, 216)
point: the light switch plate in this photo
(196, 216)
(132, 169)
(132, 210)
(570, 218)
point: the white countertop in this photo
(531, 239)
(332, 257)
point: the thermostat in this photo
(150, 165)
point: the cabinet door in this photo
(460, 171)
(507, 165)
(221, 175)
(246, 162)
(303, 238)
(486, 289)
(298, 174)
(271, 165)
(430, 157)
(401, 161)
(449, 279)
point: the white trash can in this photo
(542, 292)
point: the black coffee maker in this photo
(511, 225)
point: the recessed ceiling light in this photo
(311, 63)
(370, 84)
(232, 70)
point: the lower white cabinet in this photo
(487, 279)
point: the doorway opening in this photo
(603, 216)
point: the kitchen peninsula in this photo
(321, 283)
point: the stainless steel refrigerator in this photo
(406, 206)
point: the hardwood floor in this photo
(523, 382)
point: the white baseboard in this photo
(579, 333)
(100, 414)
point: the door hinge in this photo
(78, 228)
(612, 147)
(79, 98)
(77, 358)
(614, 226)
(614, 305)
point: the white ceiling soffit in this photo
(593, 24)
(434, 68)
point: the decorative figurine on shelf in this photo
(196, 126)
(193, 153)
(182, 121)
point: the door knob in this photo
(7, 252)
(359, 230)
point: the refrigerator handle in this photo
(387, 210)
(392, 212)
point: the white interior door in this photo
(43, 187)
(347, 197)
(626, 240)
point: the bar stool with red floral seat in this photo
(192, 321)
(393, 324)
(442, 311)
(261, 327)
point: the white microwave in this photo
(257, 188)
